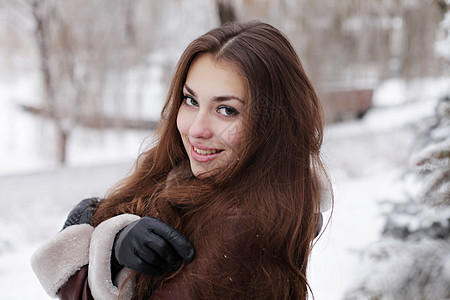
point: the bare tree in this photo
(43, 12)
(351, 39)
(85, 59)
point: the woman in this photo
(236, 173)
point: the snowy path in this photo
(359, 187)
(34, 207)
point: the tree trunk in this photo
(43, 37)
(226, 11)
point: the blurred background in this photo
(82, 84)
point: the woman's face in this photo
(209, 119)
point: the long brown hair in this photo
(269, 195)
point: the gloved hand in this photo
(150, 246)
(82, 213)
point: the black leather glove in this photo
(82, 213)
(150, 246)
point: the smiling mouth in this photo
(206, 152)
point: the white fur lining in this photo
(326, 194)
(99, 276)
(61, 257)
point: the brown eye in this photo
(190, 101)
(227, 111)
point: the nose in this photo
(200, 127)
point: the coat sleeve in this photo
(99, 275)
(57, 260)
(76, 288)
(71, 250)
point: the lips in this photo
(204, 154)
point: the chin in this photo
(200, 172)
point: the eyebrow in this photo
(217, 98)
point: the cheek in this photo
(233, 136)
(182, 123)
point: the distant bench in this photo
(346, 104)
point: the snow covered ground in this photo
(366, 160)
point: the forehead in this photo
(209, 77)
